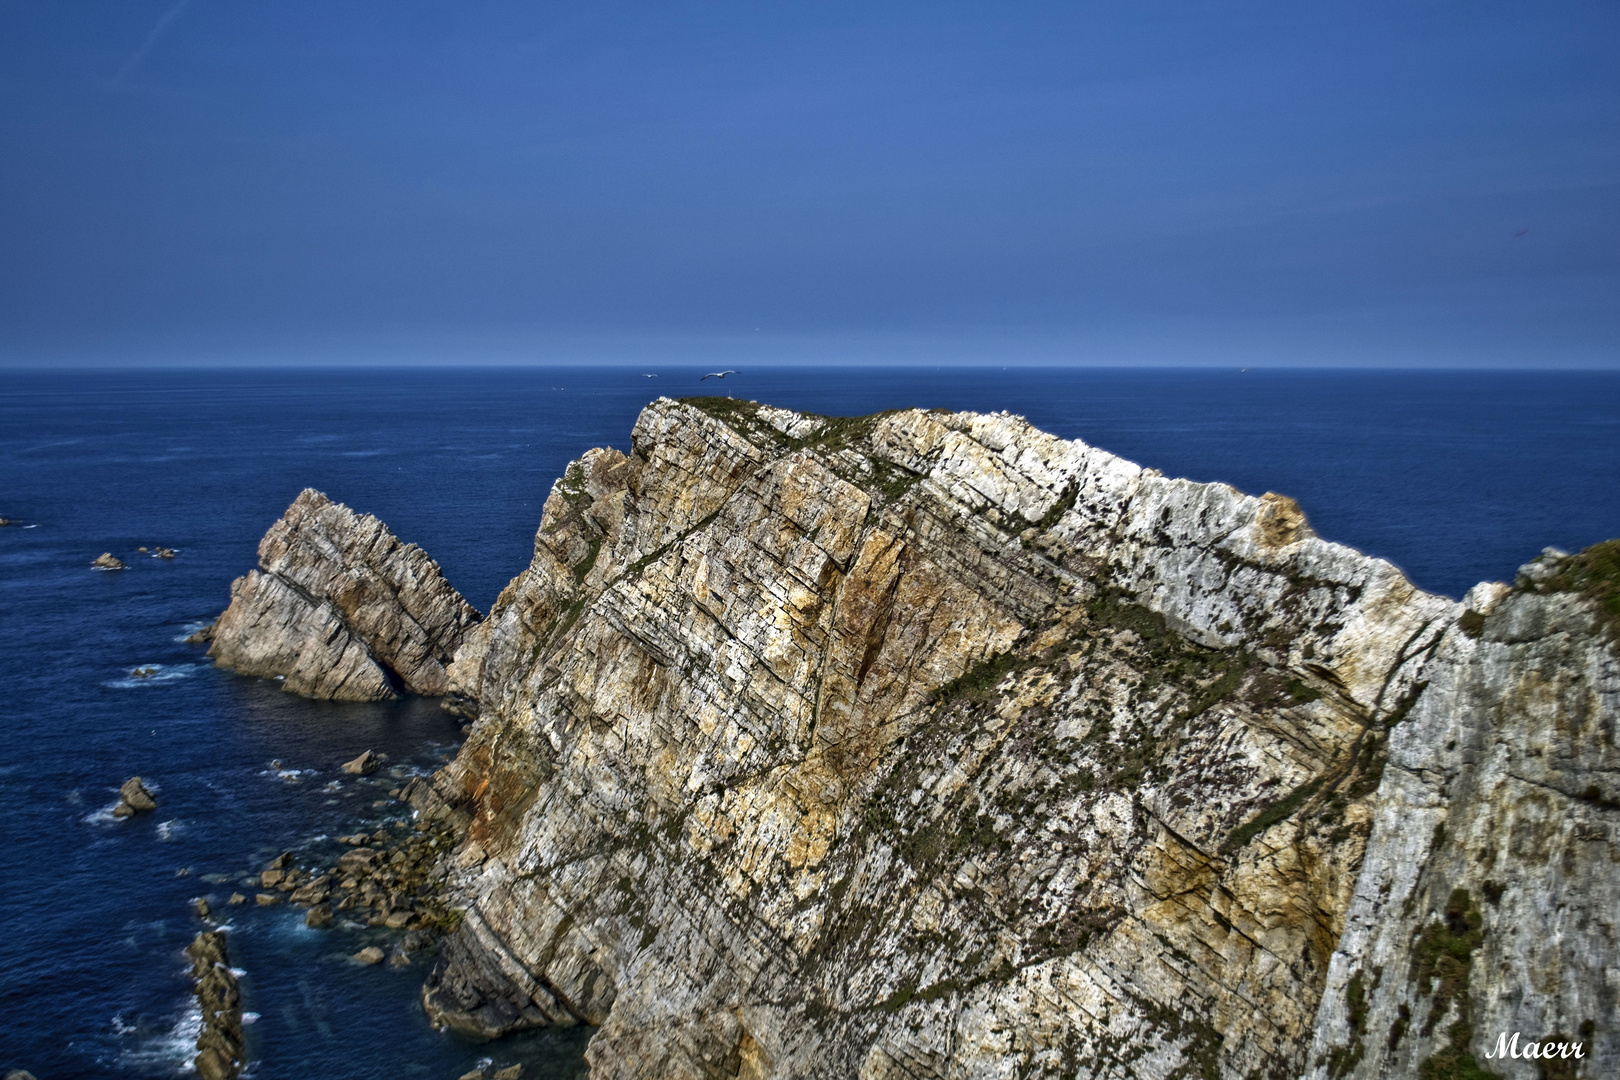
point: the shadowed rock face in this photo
(340, 609)
(932, 745)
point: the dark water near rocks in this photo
(1457, 477)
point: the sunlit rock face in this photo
(341, 609)
(923, 744)
(1489, 896)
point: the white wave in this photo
(103, 816)
(168, 830)
(34, 526)
(249, 1018)
(151, 674)
(173, 1047)
(190, 628)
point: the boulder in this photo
(133, 798)
(312, 893)
(236, 899)
(511, 1072)
(318, 916)
(369, 956)
(265, 899)
(162, 553)
(135, 793)
(108, 561)
(201, 907)
(364, 765)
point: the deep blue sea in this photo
(1456, 477)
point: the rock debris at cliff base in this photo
(928, 744)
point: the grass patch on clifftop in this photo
(1595, 574)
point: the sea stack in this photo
(341, 609)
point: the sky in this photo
(1179, 183)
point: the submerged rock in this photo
(929, 744)
(108, 561)
(162, 553)
(340, 609)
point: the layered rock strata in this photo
(341, 609)
(930, 745)
(920, 745)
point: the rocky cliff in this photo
(931, 745)
(340, 609)
(1490, 893)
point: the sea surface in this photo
(1456, 477)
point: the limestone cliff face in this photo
(340, 609)
(924, 744)
(1490, 895)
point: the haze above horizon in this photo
(1257, 184)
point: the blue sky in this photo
(1168, 183)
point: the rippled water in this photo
(1457, 477)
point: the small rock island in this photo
(929, 744)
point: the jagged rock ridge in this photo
(341, 609)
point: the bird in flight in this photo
(1520, 233)
(717, 375)
(654, 377)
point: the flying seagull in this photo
(717, 375)
(654, 377)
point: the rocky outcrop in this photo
(341, 609)
(221, 1050)
(134, 798)
(928, 744)
(108, 561)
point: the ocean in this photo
(1457, 477)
